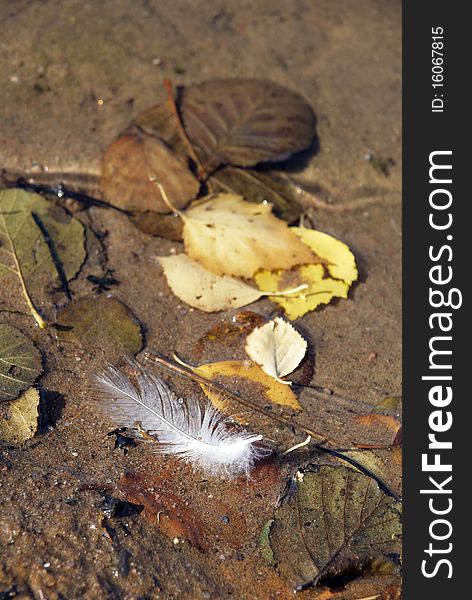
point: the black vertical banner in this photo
(437, 267)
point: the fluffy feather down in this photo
(199, 436)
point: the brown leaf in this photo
(160, 121)
(245, 121)
(226, 336)
(132, 165)
(259, 186)
(164, 509)
(385, 426)
(168, 226)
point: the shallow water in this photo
(73, 75)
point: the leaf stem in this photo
(37, 317)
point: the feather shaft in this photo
(200, 436)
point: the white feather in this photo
(199, 436)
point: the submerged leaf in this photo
(21, 422)
(272, 389)
(230, 236)
(168, 225)
(20, 362)
(132, 165)
(245, 121)
(38, 240)
(339, 263)
(338, 523)
(204, 290)
(101, 322)
(277, 347)
(164, 508)
(259, 186)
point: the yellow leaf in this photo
(230, 236)
(340, 264)
(273, 390)
(22, 421)
(341, 261)
(202, 289)
(320, 290)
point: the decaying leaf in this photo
(103, 323)
(386, 426)
(339, 263)
(277, 347)
(38, 240)
(273, 390)
(132, 165)
(160, 121)
(339, 522)
(385, 463)
(167, 225)
(165, 509)
(20, 362)
(225, 338)
(230, 236)
(259, 186)
(204, 290)
(21, 420)
(245, 121)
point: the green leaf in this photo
(338, 523)
(38, 241)
(264, 544)
(20, 362)
(20, 421)
(103, 323)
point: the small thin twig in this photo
(298, 446)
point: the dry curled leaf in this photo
(245, 121)
(230, 236)
(21, 421)
(277, 347)
(324, 282)
(39, 242)
(339, 522)
(132, 165)
(20, 362)
(276, 392)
